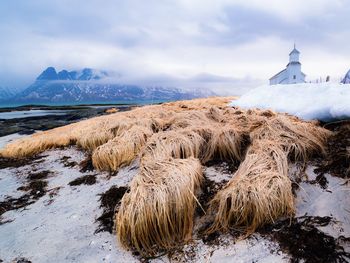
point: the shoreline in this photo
(30, 124)
(71, 105)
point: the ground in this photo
(65, 222)
(54, 206)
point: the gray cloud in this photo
(226, 45)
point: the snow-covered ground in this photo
(333, 201)
(323, 101)
(61, 225)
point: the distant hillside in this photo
(95, 86)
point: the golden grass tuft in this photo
(297, 138)
(158, 211)
(176, 144)
(111, 110)
(122, 150)
(172, 141)
(38, 142)
(259, 192)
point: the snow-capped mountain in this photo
(95, 86)
(7, 93)
(346, 79)
(84, 74)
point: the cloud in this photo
(222, 44)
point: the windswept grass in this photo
(173, 141)
(122, 150)
(158, 211)
(259, 192)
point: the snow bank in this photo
(324, 101)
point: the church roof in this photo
(278, 74)
(294, 63)
(294, 51)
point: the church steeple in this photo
(292, 73)
(294, 55)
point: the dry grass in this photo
(172, 141)
(158, 211)
(91, 133)
(121, 150)
(111, 110)
(298, 139)
(259, 192)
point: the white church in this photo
(292, 73)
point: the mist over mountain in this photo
(84, 74)
(96, 86)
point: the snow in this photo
(61, 228)
(229, 249)
(322, 101)
(332, 201)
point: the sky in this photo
(226, 45)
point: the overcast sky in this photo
(221, 43)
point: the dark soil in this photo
(34, 189)
(67, 163)
(337, 160)
(39, 175)
(110, 200)
(15, 163)
(209, 190)
(86, 179)
(321, 180)
(232, 166)
(301, 238)
(53, 192)
(86, 164)
(12, 163)
(21, 260)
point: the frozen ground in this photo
(323, 101)
(61, 225)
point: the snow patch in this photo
(333, 201)
(323, 101)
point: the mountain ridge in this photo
(90, 85)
